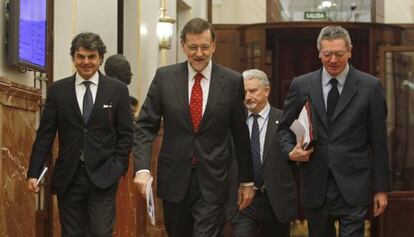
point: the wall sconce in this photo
(165, 28)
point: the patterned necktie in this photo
(196, 102)
(333, 97)
(257, 162)
(87, 101)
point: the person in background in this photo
(117, 66)
(92, 117)
(274, 204)
(201, 106)
(350, 160)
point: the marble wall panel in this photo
(18, 106)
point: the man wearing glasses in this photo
(201, 106)
(349, 161)
(91, 114)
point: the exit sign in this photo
(315, 15)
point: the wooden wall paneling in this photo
(408, 34)
(157, 230)
(228, 47)
(397, 220)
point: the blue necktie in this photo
(255, 143)
(87, 102)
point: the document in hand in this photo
(41, 175)
(305, 127)
(150, 201)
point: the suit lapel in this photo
(315, 92)
(216, 85)
(180, 82)
(272, 123)
(348, 92)
(75, 103)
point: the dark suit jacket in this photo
(105, 140)
(277, 175)
(167, 99)
(353, 146)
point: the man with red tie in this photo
(201, 105)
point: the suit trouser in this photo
(193, 216)
(259, 213)
(321, 221)
(86, 210)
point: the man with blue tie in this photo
(91, 115)
(274, 204)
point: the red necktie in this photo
(196, 106)
(196, 102)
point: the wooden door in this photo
(397, 75)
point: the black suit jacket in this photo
(277, 175)
(224, 116)
(105, 139)
(353, 146)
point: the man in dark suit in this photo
(274, 204)
(350, 160)
(201, 105)
(92, 116)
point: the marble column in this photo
(19, 105)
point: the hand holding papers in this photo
(304, 127)
(150, 201)
(41, 175)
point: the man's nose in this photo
(199, 52)
(333, 58)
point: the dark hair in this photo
(88, 41)
(197, 26)
(112, 64)
(117, 66)
(133, 101)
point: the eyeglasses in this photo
(194, 48)
(329, 54)
(90, 57)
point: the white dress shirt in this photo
(81, 89)
(205, 82)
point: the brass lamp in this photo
(165, 28)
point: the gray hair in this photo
(333, 32)
(258, 74)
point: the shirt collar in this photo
(206, 71)
(94, 79)
(341, 77)
(263, 113)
